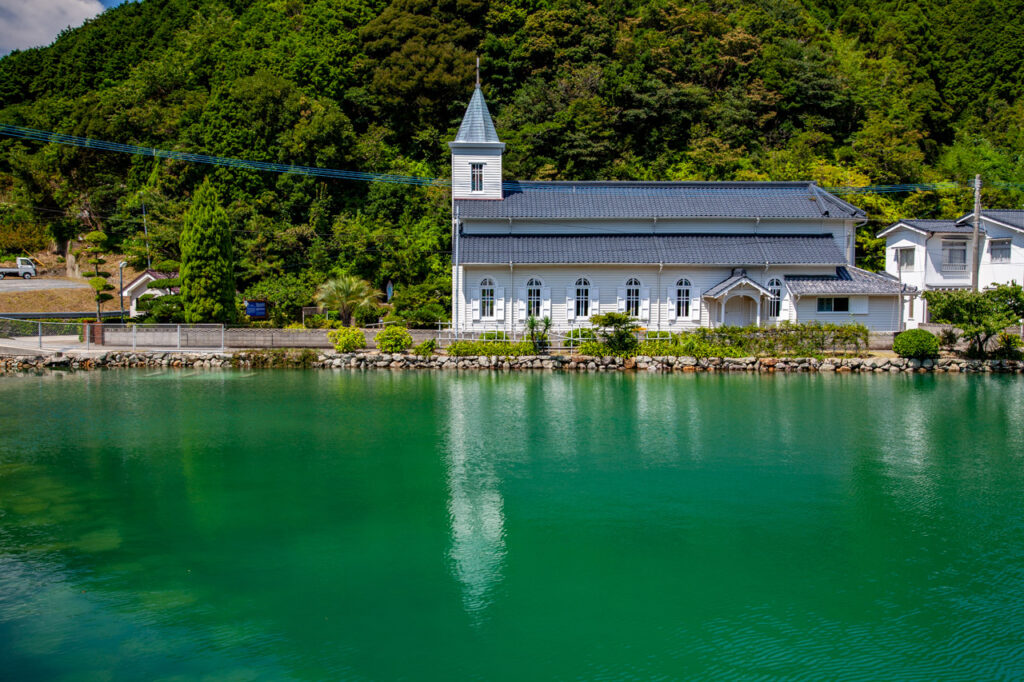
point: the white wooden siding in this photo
(882, 312)
(462, 184)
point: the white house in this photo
(140, 286)
(676, 255)
(936, 255)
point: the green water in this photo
(427, 526)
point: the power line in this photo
(89, 143)
(599, 188)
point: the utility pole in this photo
(976, 260)
(899, 271)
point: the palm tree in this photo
(537, 332)
(346, 293)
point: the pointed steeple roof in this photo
(477, 126)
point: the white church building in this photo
(675, 255)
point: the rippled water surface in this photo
(385, 526)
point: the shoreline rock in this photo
(369, 359)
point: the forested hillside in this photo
(839, 91)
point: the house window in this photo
(999, 250)
(834, 305)
(633, 297)
(533, 298)
(582, 297)
(954, 255)
(487, 298)
(905, 259)
(683, 298)
(476, 174)
(774, 303)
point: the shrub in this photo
(916, 343)
(426, 348)
(347, 339)
(425, 316)
(660, 347)
(500, 348)
(493, 336)
(618, 331)
(393, 339)
(316, 322)
(577, 336)
(368, 314)
(948, 338)
(594, 349)
(1009, 346)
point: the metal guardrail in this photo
(91, 335)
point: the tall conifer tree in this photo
(207, 262)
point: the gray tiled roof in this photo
(477, 125)
(935, 226)
(645, 200)
(1014, 217)
(847, 280)
(736, 278)
(686, 249)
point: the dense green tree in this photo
(95, 246)
(845, 93)
(345, 293)
(979, 315)
(207, 262)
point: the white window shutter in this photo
(521, 305)
(620, 300)
(499, 303)
(545, 302)
(645, 304)
(595, 302)
(858, 305)
(570, 303)
(695, 302)
(474, 303)
(670, 298)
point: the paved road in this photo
(10, 284)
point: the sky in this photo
(32, 23)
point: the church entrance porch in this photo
(737, 301)
(741, 311)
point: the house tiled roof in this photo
(933, 227)
(847, 280)
(683, 249)
(1011, 217)
(477, 125)
(964, 224)
(647, 200)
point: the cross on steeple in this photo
(478, 72)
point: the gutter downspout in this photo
(760, 298)
(661, 266)
(899, 278)
(514, 312)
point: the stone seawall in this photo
(308, 358)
